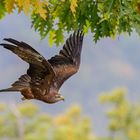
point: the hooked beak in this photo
(62, 98)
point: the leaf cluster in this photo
(104, 18)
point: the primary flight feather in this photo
(45, 77)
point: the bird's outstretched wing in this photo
(67, 62)
(38, 65)
(26, 52)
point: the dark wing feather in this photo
(68, 61)
(38, 65)
(24, 51)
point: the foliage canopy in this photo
(105, 18)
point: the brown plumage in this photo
(45, 77)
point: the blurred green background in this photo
(25, 121)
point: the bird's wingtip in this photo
(2, 44)
(5, 39)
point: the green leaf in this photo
(2, 9)
(86, 27)
(110, 5)
(52, 35)
(59, 38)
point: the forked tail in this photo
(9, 89)
(22, 83)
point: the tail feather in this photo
(22, 83)
(10, 89)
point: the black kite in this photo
(45, 77)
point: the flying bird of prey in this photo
(45, 77)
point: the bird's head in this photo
(58, 97)
(53, 98)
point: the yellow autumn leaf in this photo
(39, 8)
(73, 6)
(9, 5)
(26, 6)
(20, 3)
